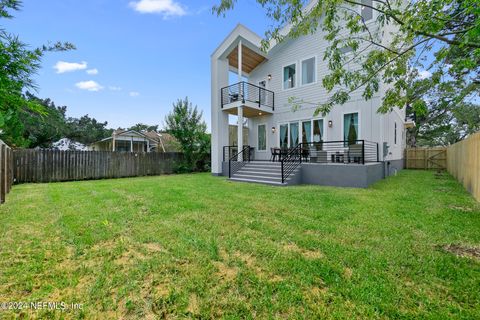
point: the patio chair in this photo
(317, 154)
(275, 153)
(355, 153)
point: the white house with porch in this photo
(353, 145)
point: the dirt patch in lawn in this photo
(153, 247)
(347, 273)
(463, 251)
(129, 257)
(225, 272)
(251, 262)
(461, 208)
(308, 254)
(193, 305)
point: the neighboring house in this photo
(353, 145)
(133, 141)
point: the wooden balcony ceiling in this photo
(250, 59)
(248, 112)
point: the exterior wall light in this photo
(269, 77)
(273, 129)
(330, 123)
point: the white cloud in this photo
(89, 85)
(92, 71)
(424, 74)
(114, 88)
(134, 94)
(167, 8)
(62, 66)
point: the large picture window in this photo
(289, 77)
(350, 128)
(262, 137)
(308, 71)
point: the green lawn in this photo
(197, 246)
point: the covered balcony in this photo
(255, 100)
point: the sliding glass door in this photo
(304, 131)
(317, 130)
(293, 134)
(284, 136)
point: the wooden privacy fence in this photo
(31, 165)
(464, 163)
(6, 170)
(426, 158)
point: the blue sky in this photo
(148, 53)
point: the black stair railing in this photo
(238, 160)
(291, 161)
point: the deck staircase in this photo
(265, 172)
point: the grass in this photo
(197, 246)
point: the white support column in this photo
(131, 144)
(240, 131)
(240, 58)
(240, 108)
(219, 71)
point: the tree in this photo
(446, 119)
(442, 36)
(185, 123)
(139, 127)
(87, 130)
(18, 64)
(41, 130)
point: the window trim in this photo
(315, 68)
(266, 137)
(296, 76)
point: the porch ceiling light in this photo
(330, 123)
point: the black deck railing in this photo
(353, 152)
(244, 91)
(238, 160)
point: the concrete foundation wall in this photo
(342, 175)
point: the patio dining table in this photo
(280, 152)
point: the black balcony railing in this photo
(244, 91)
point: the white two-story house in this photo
(353, 145)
